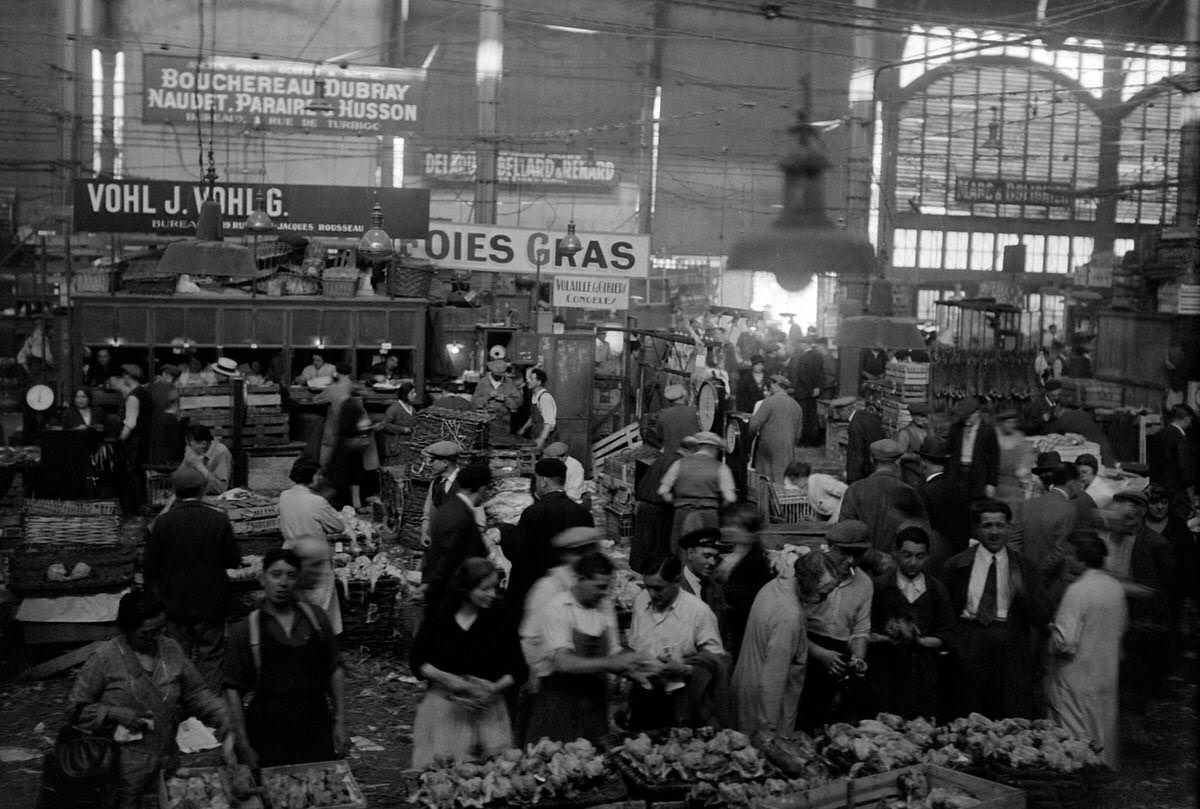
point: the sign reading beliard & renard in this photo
(523, 168)
(276, 94)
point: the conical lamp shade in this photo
(208, 224)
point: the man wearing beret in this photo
(531, 551)
(1142, 561)
(187, 553)
(701, 552)
(873, 499)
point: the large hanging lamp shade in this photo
(802, 242)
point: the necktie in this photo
(986, 612)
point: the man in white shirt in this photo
(572, 544)
(306, 520)
(672, 628)
(543, 414)
(574, 482)
(208, 456)
(1001, 614)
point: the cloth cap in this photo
(849, 534)
(577, 537)
(674, 393)
(781, 380)
(701, 538)
(756, 359)
(1155, 491)
(187, 478)
(550, 468)
(709, 438)
(966, 407)
(885, 449)
(1053, 384)
(169, 369)
(934, 448)
(918, 409)
(134, 371)
(497, 366)
(843, 401)
(1139, 469)
(557, 449)
(1046, 461)
(443, 449)
(1132, 496)
(687, 444)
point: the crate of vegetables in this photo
(551, 775)
(921, 786)
(320, 785)
(666, 770)
(196, 788)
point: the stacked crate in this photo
(907, 382)
(266, 422)
(210, 405)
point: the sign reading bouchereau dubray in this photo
(277, 94)
(170, 208)
(1000, 191)
(523, 168)
(488, 248)
(591, 292)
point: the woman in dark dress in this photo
(80, 415)
(741, 573)
(345, 470)
(287, 656)
(469, 654)
(398, 422)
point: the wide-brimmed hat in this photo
(673, 393)
(918, 409)
(934, 449)
(1046, 462)
(443, 449)
(710, 438)
(497, 366)
(226, 366)
(1132, 496)
(849, 534)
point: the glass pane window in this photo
(1035, 253)
(904, 254)
(983, 251)
(957, 249)
(929, 254)
(1058, 254)
(927, 303)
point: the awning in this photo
(223, 259)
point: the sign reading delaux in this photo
(276, 94)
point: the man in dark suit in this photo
(874, 498)
(676, 421)
(974, 449)
(443, 461)
(1175, 469)
(454, 534)
(1046, 520)
(945, 501)
(751, 385)
(807, 373)
(1001, 612)
(530, 551)
(1042, 410)
(863, 430)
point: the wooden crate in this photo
(873, 789)
(789, 506)
(269, 774)
(618, 524)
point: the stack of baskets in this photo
(410, 278)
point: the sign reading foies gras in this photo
(523, 168)
(276, 94)
(170, 208)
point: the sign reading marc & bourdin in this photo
(277, 94)
(171, 208)
(523, 168)
(1000, 191)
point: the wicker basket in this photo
(789, 506)
(339, 282)
(112, 569)
(410, 280)
(41, 507)
(93, 279)
(98, 530)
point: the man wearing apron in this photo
(698, 486)
(580, 645)
(543, 410)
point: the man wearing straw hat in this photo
(697, 486)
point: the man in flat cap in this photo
(974, 449)
(1142, 561)
(862, 429)
(574, 481)
(839, 629)
(874, 499)
(531, 549)
(910, 437)
(698, 485)
(701, 552)
(676, 421)
(187, 553)
(777, 423)
(1042, 410)
(454, 534)
(443, 460)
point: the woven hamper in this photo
(410, 280)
